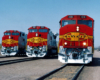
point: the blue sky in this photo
(22, 14)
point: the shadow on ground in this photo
(95, 62)
(51, 57)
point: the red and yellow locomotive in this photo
(13, 43)
(41, 42)
(76, 42)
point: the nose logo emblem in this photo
(75, 36)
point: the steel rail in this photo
(77, 74)
(16, 60)
(54, 71)
(50, 73)
(5, 56)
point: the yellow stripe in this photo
(75, 36)
(9, 41)
(36, 40)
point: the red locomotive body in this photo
(11, 41)
(76, 41)
(37, 39)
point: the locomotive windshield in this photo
(66, 22)
(15, 33)
(33, 30)
(7, 33)
(43, 30)
(86, 22)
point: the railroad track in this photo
(11, 59)
(66, 72)
(4, 62)
(3, 58)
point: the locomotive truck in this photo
(76, 39)
(41, 42)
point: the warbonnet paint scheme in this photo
(76, 41)
(13, 43)
(41, 42)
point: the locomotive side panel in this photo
(52, 44)
(22, 41)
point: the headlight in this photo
(84, 43)
(65, 43)
(36, 34)
(77, 28)
(9, 37)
